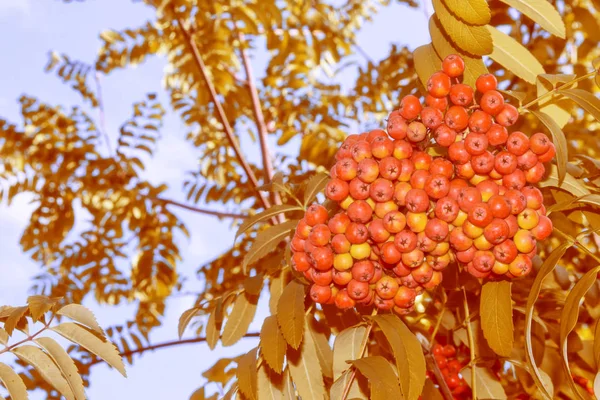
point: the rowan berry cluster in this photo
(448, 362)
(406, 214)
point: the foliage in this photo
(545, 54)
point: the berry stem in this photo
(471, 344)
(556, 89)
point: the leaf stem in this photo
(471, 345)
(556, 89)
(201, 210)
(363, 348)
(28, 338)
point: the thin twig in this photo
(553, 91)
(28, 338)
(439, 377)
(221, 112)
(202, 210)
(101, 113)
(169, 344)
(471, 345)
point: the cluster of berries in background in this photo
(450, 362)
(445, 183)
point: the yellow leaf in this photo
(542, 12)
(289, 392)
(267, 241)
(290, 313)
(276, 286)
(356, 390)
(270, 384)
(45, 366)
(239, 320)
(585, 99)
(198, 394)
(546, 268)
(381, 376)
(247, 374)
(212, 330)
(3, 336)
(554, 105)
(13, 383)
(264, 216)
(495, 309)
(16, 313)
(430, 392)
(474, 12)
(39, 305)
(487, 385)
(597, 344)
(474, 66)
(253, 284)
(315, 185)
(82, 315)
(65, 363)
(346, 348)
(514, 56)
(427, 62)
(474, 40)
(407, 352)
(570, 184)
(273, 344)
(305, 369)
(185, 318)
(560, 142)
(324, 352)
(103, 349)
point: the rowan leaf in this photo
(475, 40)
(430, 392)
(242, 314)
(305, 369)
(276, 286)
(3, 337)
(407, 352)
(270, 384)
(546, 268)
(213, 331)
(290, 313)
(381, 376)
(347, 348)
(542, 12)
(570, 184)
(495, 308)
(186, 318)
(103, 349)
(289, 393)
(246, 373)
(314, 186)
(266, 241)
(65, 363)
(324, 352)
(15, 316)
(585, 99)
(560, 142)
(39, 305)
(555, 105)
(597, 386)
(272, 344)
(570, 315)
(514, 56)
(427, 62)
(43, 364)
(356, 390)
(264, 216)
(597, 344)
(81, 314)
(13, 383)
(474, 12)
(488, 386)
(253, 284)
(474, 66)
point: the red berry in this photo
(486, 82)
(453, 65)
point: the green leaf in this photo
(514, 56)
(381, 376)
(546, 268)
(272, 344)
(247, 374)
(474, 40)
(585, 99)
(264, 216)
(81, 314)
(103, 349)
(474, 66)
(542, 12)
(315, 185)
(560, 142)
(43, 364)
(570, 184)
(427, 62)
(487, 385)
(305, 369)
(267, 241)
(496, 316)
(347, 348)
(13, 383)
(474, 12)
(290, 313)
(407, 352)
(244, 309)
(569, 316)
(66, 365)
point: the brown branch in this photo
(201, 210)
(168, 344)
(221, 112)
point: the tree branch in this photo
(201, 210)
(221, 112)
(168, 344)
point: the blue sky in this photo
(31, 28)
